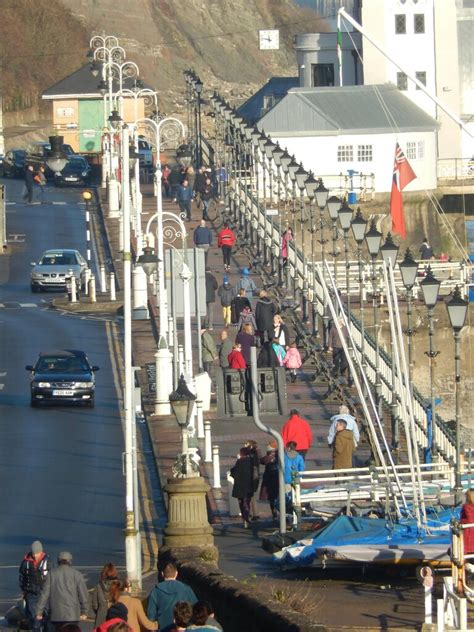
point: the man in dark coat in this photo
(33, 571)
(211, 287)
(243, 490)
(264, 312)
(225, 348)
(29, 183)
(343, 447)
(339, 360)
(237, 305)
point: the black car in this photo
(63, 377)
(77, 172)
(37, 154)
(13, 164)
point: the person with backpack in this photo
(100, 594)
(237, 305)
(246, 283)
(226, 293)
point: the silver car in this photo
(53, 268)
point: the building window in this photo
(345, 153)
(323, 75)
(421, 149)
(421, 76)
(400, 24)
(419, 23)
(364, 153)
(416, 150)
(402, 81)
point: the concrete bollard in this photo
(164, 378)
(216, 468)
(103, 279)
(200, 419)
(112, 287)
(72, 289)
(207, 442)
(113, 197)
(91, 289)
(88, 276)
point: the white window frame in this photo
(365, 153)
(345, 153)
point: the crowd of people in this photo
(57, 598)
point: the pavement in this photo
(371, 602)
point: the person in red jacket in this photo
(298, 430)
(236, 359)
(226, 240)
(467, 517)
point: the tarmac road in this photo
(60, 468)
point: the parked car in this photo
(62, 377)
(13, 164)
(37, 155)
(52, 270)
(77, 172)
(145, 154)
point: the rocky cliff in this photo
(218, 38)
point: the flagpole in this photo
(339, 46)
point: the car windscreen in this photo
(55, 364)
(75, 164)
(59, 259)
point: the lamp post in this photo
(409, 270)
(345, 214)
(457, 312)
(430, 289)
(301, 176)
(198, 89)
(182, 404)
(373, 237)
(56, 158)
(311, 185)
(115, 120)
(359, 226)
(321, 195)
(334, 204)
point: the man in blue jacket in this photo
(166, 594)
(203, 238)
(184, 197)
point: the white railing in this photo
(455, 168)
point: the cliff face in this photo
(218, 38)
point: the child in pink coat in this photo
(292, 360)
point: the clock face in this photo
(269, 39)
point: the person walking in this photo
(226, 240)
(184, 197)
(235, 358)
(203, 618)
(120, 592)
(182, 614)
(100, 594)
(34, 569)
(209, 350)
(174, 182)
(226, 293)
(270, 481)
(335, 346)
(246, 338)
(286, 238)
(202, 238)
(116, 620)
(279, 351)
(292, 361)
(425, 250)
(243, 489)
(343, 447)
(294, 464)
(207, 195)
(267, 357)
(280, 331)
(211, 287)
(225, 348)
(66, 593)
(467, 517)
(255, 455)
(297, 430)
(265, 310)
(246, 283)
(199, 183)
(166, 594)
(237, 305)
(29, 183)
(40, 179)
(165, 182)
(351, 424)
(246, 316)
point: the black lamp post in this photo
(430, 289)
(301, 175)
(184, 155)
(457, 312)
(321, 194)
(359, 226)
(311, 184)
(373, 238)
(182, 403)
(409, 270)
(278, 153)
(115, 120)
(334, 204)
(345, 214)
(198, 89)
(148, 261)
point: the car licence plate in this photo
(71, 179)
(63, 393)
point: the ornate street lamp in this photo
(430, 289)
(373, 239)
(345, 214)
(334, 204)
(184, 155)
(389, 251)
(182, 404)
(359, 227)
(148, 261)
(409, 270)
(115, 120)
(457, 312)
(57, 158)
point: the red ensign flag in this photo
(403, 174)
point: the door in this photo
(91, 117)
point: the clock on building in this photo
(269, 39)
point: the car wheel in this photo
(34, 403)
(90, 403)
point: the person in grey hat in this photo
(66, 592)
(33, 571)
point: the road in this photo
(60, 468)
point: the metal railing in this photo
(455, 168)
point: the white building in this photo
(355, 129)
(430, 39)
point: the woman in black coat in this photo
(270, 482)
(267, 357)
(243, 490)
